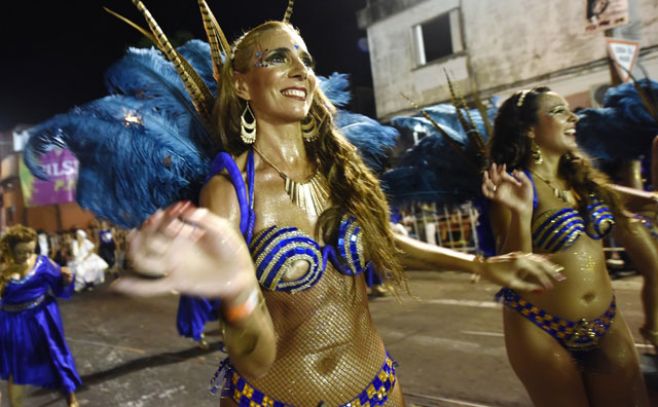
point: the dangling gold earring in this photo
(248, 126)
(535, 151)
(309, 129)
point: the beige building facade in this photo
(499, 46)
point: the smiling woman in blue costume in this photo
(290, 186)
(292, 220)
(33, 349)
(569, 346)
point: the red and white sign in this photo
(624, 56)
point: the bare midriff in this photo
(328, 349)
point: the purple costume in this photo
(193, 313)
(33, 349)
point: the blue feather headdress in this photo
(147, 145)
(625, 127)
(445, 167)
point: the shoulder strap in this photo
(224, 161)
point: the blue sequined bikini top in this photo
(276, 249)
(558, 229)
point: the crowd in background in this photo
(92, 251)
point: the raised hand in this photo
(191, 251)
(522, 272)
(67, 275)
(513, 191)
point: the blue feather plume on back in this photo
(337, 88)
(140, 149)
(145, 147)
(128, 169)
(373, 140)
(435, 170)
(623, 129)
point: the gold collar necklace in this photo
(566, 195)
(311, 195)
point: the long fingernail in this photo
(175, 209)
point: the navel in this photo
(588, 298)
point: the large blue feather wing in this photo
(436, 169)
(132, 161)
(623, 129)
(373, 140)
(337, 88)
(147, 76)
(146, 147)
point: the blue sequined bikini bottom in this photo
(582, 335)
(244, 394)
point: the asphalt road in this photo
(447, 340)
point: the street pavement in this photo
(447, 339)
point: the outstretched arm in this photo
(523, 272)
(195, 252)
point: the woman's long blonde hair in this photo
(354, 189)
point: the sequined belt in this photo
(581, 335)
(23, 305)
(239, 390)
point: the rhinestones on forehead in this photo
(260, 62)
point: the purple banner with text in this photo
(62, 169)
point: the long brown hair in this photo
(354, 189)
(510, 145)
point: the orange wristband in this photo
(235, 313)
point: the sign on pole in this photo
(605, 14)
(623, 54)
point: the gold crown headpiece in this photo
(220, 49)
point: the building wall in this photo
(510, 45)
(393, 65)
(515, 44)
(51, 218)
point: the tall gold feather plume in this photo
(488, 126)
(469, 126)
(218, 43)
(201, 96)
(288, 13)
